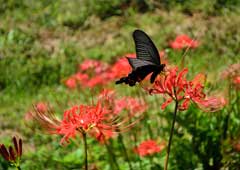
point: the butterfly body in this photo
(147, 61)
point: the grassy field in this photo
(43, 42)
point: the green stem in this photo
(125, 151)
(229, 110)
(85, 150)
(112, 155)
(18, 168)
(183, 60)
(171, 135)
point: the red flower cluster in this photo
(13, 154)
(183, 41)
(93, 73)
(41, 107)
(130, 104)
(175, 86)
(236, 146)
(236, 81)
(120, 68)
(89, 74)
(96, 120)
(81, 118)
(149, 147)
(232, 73)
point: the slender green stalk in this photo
(112, 156)
(135, 142)
(85, 150)
(18, 168)
(120, 138)
(171, 135)
(229, 110)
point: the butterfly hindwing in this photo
(137, 75)
(145, 48)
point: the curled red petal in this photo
(15, 144)
(166, 103)
(4, 152)
(12, 154)
(20, 148)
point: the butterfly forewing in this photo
(137, 63)
(145, 48)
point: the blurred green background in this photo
(42, 43)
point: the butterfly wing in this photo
(147, 61)
(137, 63)
(145, 48)
(142, 68)
(136, 75)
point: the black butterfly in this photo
(147, 61)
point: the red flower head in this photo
(236, 82)
(96, 120)
(130, 104)
(149, 147)
(183, 41)
(231, 72)
(71, 83)
(120, 68)
(41, 107)
(99, 79)
(80, 118)
(236, 146)
(13, 153)
(88, 64)
(175, 86)
(81, 77)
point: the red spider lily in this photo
(103, 137)
(13, 153)
(183, 41)
(94, 119)
(81, 118)
(174, 86)
(41, 107)
(236, 146)
(92, 64)
(125, 103)
(231, 72)
(236, 82)
(100, 79)
(131, 104)
(71, 83)
(91, 73)
(120, 68)
(212, 104)
(94, 73)
(81, 77)
(149, 147)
